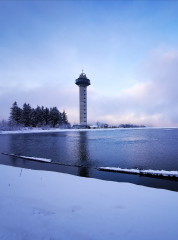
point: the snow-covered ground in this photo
(39, 130)
(47, 205)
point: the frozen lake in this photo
(125, 148)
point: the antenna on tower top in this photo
(82, 70)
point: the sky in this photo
(128, 49)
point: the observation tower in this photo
(83, 82)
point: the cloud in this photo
(153, 100)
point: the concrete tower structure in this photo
(83, 82)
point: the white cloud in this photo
(153, 101)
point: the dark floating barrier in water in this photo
(45, 160)
(29, 158)
(150, 172)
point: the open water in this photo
(126, 148)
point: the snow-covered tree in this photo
(15, 114)
(64, 119)
(33, 118)
(46, 116)
(26, 115)
(39, 116)
(54, 116)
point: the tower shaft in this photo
(83, 105)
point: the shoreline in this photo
(51, 130)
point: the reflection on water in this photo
(142, 148)
(57, 147)
(83, 154)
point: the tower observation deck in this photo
(83, 82)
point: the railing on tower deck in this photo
(82, 81)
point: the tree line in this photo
(37, 117)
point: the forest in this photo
(37, 117)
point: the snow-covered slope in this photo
(48, 205)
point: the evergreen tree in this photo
(39, 116)
(26, 115)
(54, 116)
(43, 122)
(15, 114)
(33, 118)
(46, 116)
(64, 119)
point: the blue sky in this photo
(128, 49)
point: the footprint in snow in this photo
(43, 212)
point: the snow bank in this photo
(48, 205)
(34, 130)
(39, 130)
(162, 173)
